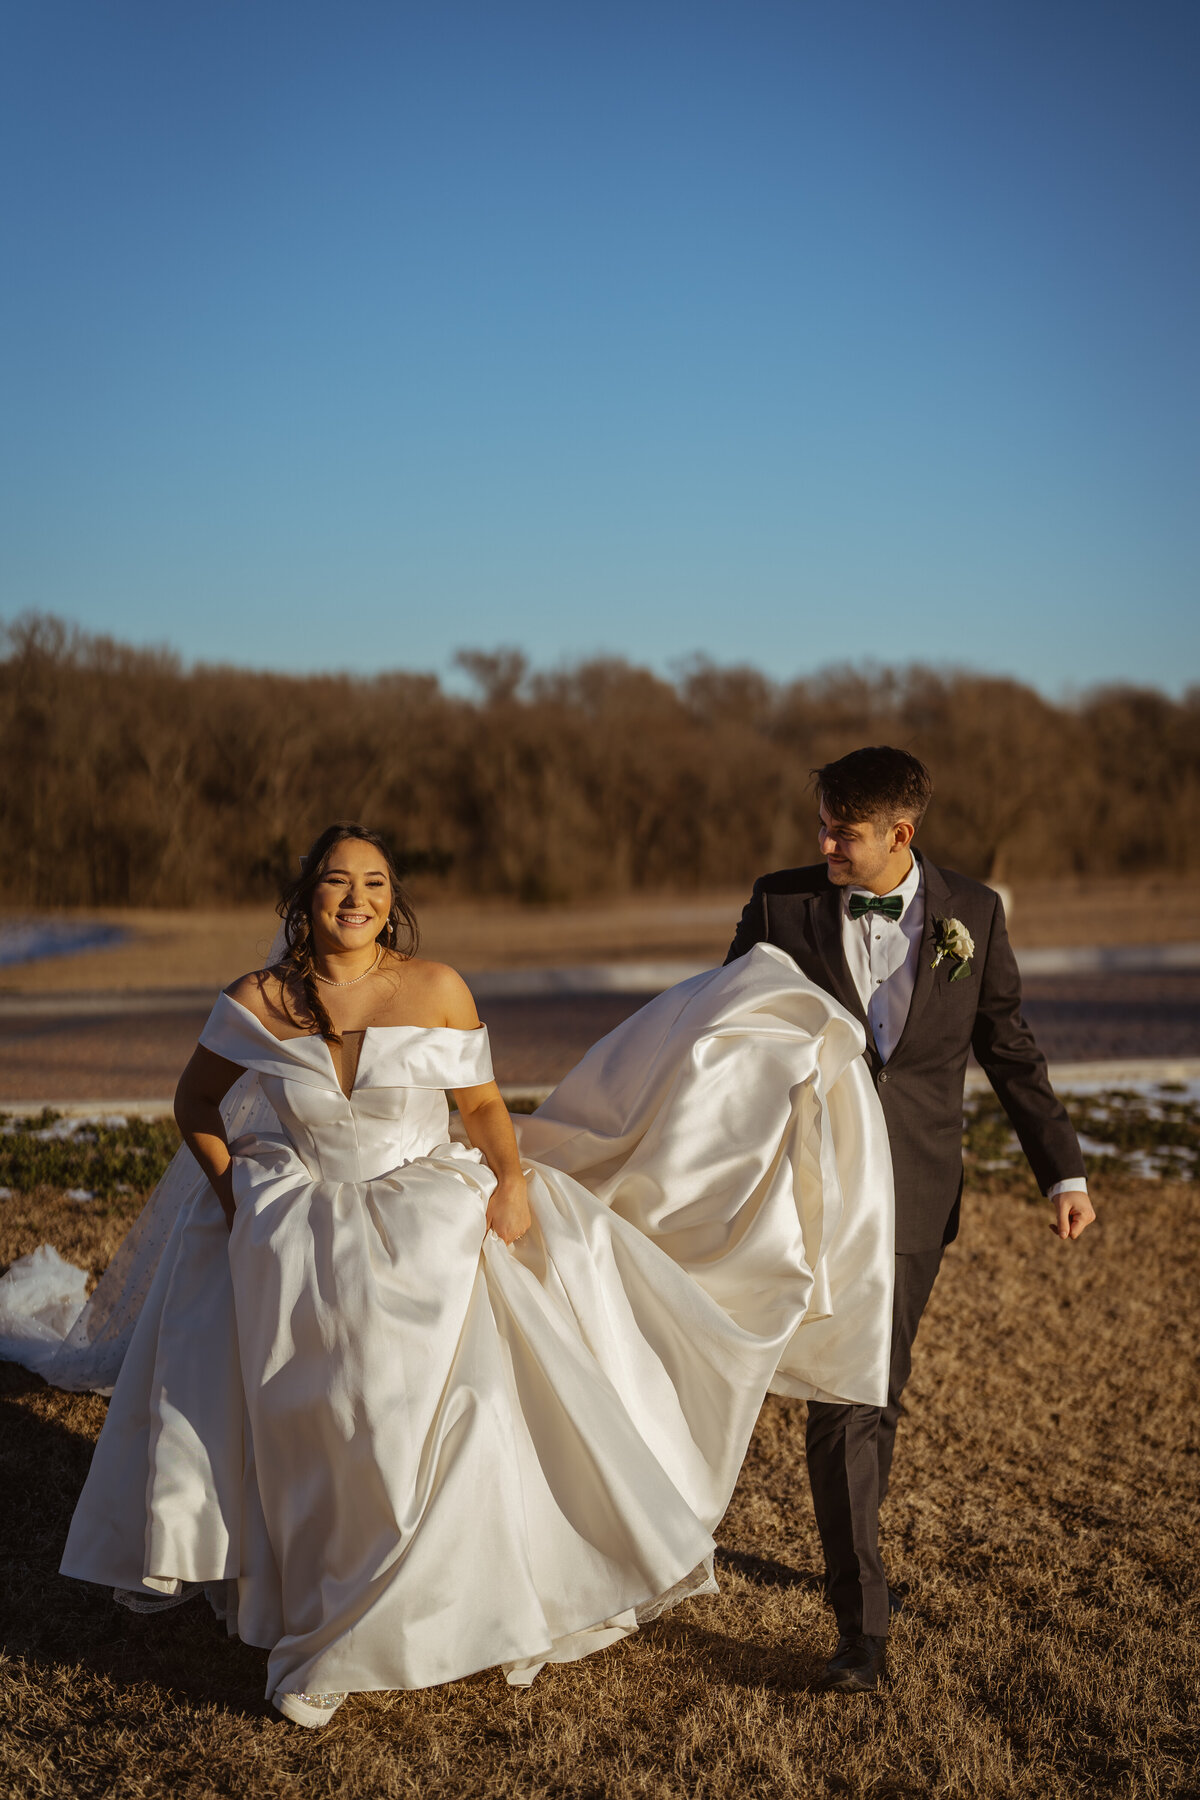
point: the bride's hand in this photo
(223, 1188)
(508, 1213)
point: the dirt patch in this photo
(87, 1054)
(206, 949)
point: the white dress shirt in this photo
(881, 954)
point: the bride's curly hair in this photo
(295, 909)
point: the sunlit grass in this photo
(1043, 1523)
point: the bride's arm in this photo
(202, 1087)
(490, 1129)
(483, 1112)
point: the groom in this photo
(921, 958)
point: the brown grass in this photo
(1043, 1524)
(206, 947)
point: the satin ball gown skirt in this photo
(396, 1451)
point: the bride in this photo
(408, 1408)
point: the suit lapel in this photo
(937, 906)
(827, 935)
(808, 926)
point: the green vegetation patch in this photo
(1155, 1135)
(1124, 1133)
(89, 1159)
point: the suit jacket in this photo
(921, 1085)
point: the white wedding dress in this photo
(396, 1451)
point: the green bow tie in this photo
(890, 905)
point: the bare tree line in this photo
(128, 779)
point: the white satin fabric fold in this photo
(407, 1452)
(733, 1121)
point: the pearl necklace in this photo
(330, 982)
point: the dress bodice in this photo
(396, 1109)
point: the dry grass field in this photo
(1043, 1525)
(206, 948)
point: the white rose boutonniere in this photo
(951, 938)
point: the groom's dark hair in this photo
(878, 783)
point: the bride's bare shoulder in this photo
(439, 991)
(260, 992)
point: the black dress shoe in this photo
(856, 1667)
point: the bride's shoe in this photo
(313, 1710)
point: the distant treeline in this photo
(128, 779)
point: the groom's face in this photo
(857, 852)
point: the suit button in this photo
(883, 1075)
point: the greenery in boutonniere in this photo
(951, 938)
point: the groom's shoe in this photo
(857, 1666)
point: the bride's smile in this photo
(350, 909)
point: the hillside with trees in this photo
(127, 778)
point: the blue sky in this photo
(344, 335)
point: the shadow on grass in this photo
(764, 1572)
(741, 1662)
(46, 1441)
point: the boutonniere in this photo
(951, 938)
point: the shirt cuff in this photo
(1077, 1184)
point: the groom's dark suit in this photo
(921, 1091)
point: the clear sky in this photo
(343, 334)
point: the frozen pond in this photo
(28, 940)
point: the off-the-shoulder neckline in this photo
(314, 1037)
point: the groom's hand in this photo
(1073, 1213)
